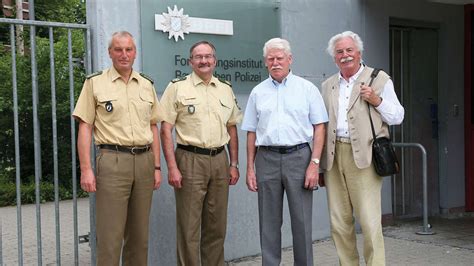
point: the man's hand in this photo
(157, 179)
(234, 175)
(175, 178)
(312, 176)
(251, 180)
(368, 94)
(88, 183)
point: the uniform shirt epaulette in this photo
(178, 79)
(147, 77)
(225, 81)
(93, 74)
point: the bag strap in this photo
(374, 74)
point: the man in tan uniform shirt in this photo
(121, 107)
(205, 113)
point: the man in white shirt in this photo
(284, 114)
(353, 186)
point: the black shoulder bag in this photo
(383, 153)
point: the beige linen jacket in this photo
(357, 116)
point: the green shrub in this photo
(28, 193)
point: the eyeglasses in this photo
(200, 57)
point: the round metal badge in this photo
(191, 109)
(109, 107)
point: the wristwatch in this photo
(315, 161)
(236, 165)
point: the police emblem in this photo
(191, 109)
(109, 107)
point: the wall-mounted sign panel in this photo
(238, 29)
(177, 23)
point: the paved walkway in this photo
(8, 217)
(453, 243)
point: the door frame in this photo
(468, 125)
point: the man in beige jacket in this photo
(353, 186)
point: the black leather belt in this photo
(285, 149)
(210, 152)
(130, 149)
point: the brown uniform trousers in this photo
(201, 208)
(123, 200)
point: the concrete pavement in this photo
(8, 216)
(453, 243)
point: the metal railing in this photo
(36, 130)
(426, 226)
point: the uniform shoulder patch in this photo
(93, 74)
(225, 81)
(147, 77)
(178, 79)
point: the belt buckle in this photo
(132, 150)
(212, 152)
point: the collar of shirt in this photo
(197, 80)
(114, 75)
(345, 89)
(354, 77)
(276, 83)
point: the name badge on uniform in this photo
(191, 109)
(109, 107)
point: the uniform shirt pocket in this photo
(108, 108)
(145, 105)
(190, 113)
(225, 110)
(188, 106)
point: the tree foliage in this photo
(53, 10)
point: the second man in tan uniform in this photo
(205, 113)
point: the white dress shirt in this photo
(390, 109)
(283, 114)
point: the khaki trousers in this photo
(123, 201)
(353, 190)
(201, 208)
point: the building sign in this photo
(177, 24)
(238, 30)
(233, 70)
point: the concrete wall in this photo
(308, 27)
(107, 17)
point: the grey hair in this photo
(334, 39)
(122, 33)
(277, 43)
